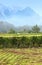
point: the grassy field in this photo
(30, 56)
(21, 34)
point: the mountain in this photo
(5, 26)
(27, 28)
(5, 11)
(22, 28)
(26, 12)
(40, 26)
(19, 16)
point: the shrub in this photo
(21, 42)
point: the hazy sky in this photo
(36, 5)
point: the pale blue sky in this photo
(36, 5)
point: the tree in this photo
(11, 31)
(35, 29)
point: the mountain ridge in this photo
(5, 11)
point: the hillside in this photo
(5, 26)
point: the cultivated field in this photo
(30, 56)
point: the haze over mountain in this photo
(5, 26)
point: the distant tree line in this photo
(21, 42)
(34, 29)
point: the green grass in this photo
(30, 56)
(21, 34)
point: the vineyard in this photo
(21, 56)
